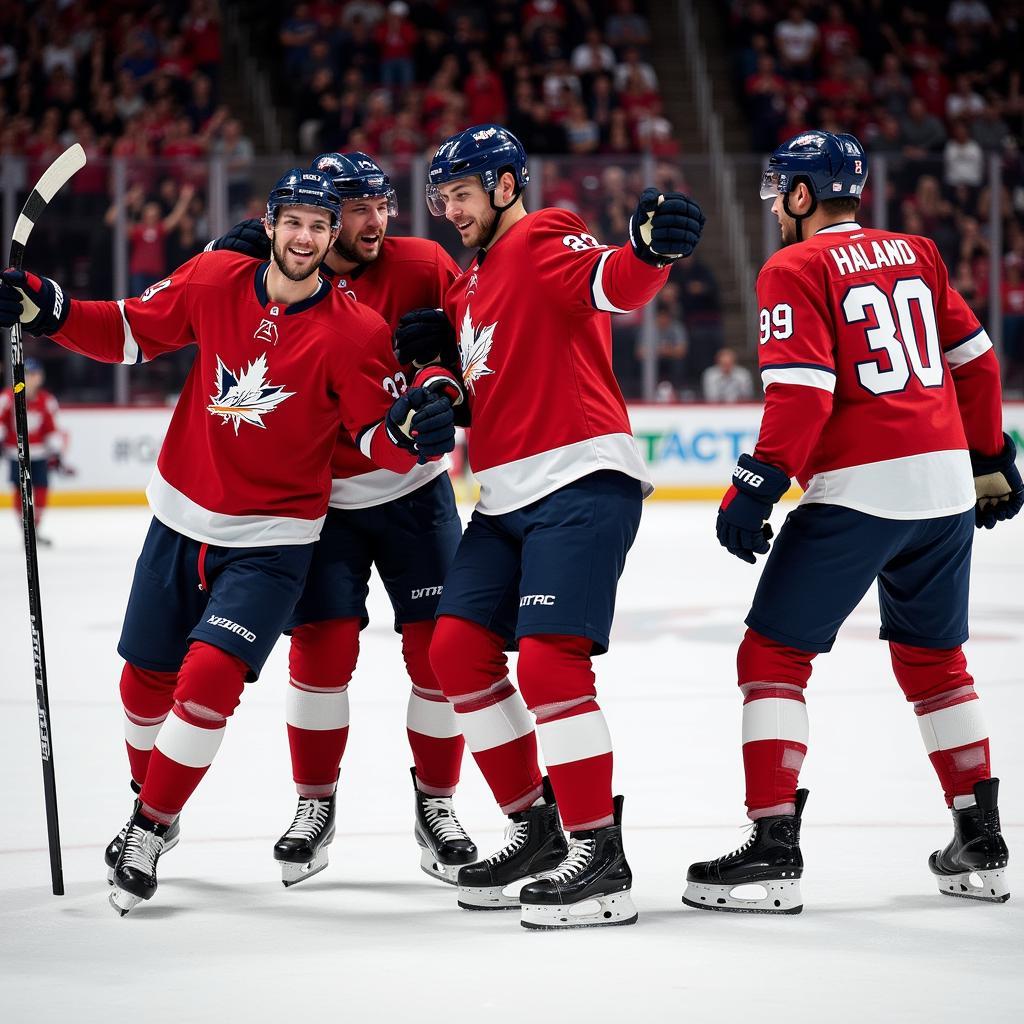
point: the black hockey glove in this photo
(247, 238)
(998, 485)
(425, 336)
(37, 302)
(742, 528)
(665, 227)
(422, 422)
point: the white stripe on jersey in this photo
(379, 486)
(181, 513)
(963, 352)
(512, 485)
(808, 376)
(597, 292)
(130, 354)
(366, 440)
(926, 486)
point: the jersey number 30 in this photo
(902, 345)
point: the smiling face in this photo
(300, 239)
(468, 206)
(364, 223)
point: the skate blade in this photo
(492, 897)
(986, 886)
(600, 912)
(447, 873)
(769, 896)
(167, 848)
(123, 901)
(292, 874)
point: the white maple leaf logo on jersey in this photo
(245, 397)
(476, 347)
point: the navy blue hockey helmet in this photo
(486, 151)
(357, 176)
(833, 166)
(303, 187)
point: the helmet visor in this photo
(389, 195)
(435, 201)
(770, 181)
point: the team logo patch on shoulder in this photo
(475, 344)
(245, 397)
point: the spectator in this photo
(593, 55)
(396, 41)
(726, 381)
(963, 158)
(631, 68)
(484, 92)
(625, 28)
(236, 149)
(989, 129)
(797, 39)
(963, 101)
(838, 36)
(1013, 321)
(702, 313)
(892, 88)
(581, 132)
(671, 347)
(971, 13)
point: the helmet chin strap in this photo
(498, 211)
(799, 217)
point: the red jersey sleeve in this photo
(798, 371)
(578, 272)
(972, 363)
(367, 390)
(134, 330)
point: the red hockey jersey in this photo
(877, 375)
(246, 459)
(532, 320)
(44, 437)
(409, 273)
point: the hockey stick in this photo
(59, 172)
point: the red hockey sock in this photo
(772, 678)
(147, 698)
(321, 661)
(208, 690)
(557, 681)
(434, 734)
(948, 713)
(471, 667)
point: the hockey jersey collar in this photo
(260, 284)
(839, 229)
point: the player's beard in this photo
(480, 232)
(281, 259)
(787, 226)
(350, 254)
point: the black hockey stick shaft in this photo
(53, 178)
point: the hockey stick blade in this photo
(53, 179)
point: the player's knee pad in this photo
(145, 693)
(927, 673)
(466, 658)
(416, 639)
(555, 673)
(324, 654)
(210, 683)
(760, 660)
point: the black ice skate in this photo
(135, 869)
(761, 877)
(534, 843)
(302, 850)
(113, 850)
(589, 889)
(446, 846)
(973, 865)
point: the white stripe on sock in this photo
(775, 718)
(431, 717)
(576, 738)
(188, 744)
(496, 725)
(952, 727)
(141, 737)
(316, 711)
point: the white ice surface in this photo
(373, 939)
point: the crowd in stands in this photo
(934, 88)
(395, 79)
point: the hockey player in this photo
(46, 442)
(242, 482)
(882, 398)
(561, 488)
(405, 524)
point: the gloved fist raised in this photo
(665, 227)
(422, 422)
(425, 336)
(247, 237)
(998, 486)
(741, 527)
(37, 302)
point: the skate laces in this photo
(309, 818)
(515, 837)
(746, 844)
(142, 848)
(441, 818)
(578, 857)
